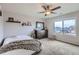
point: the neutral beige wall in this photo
(16, 28)
(67, 38)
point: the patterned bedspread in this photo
(33, 45)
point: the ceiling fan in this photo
(49, 10)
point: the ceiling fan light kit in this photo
(48, 13)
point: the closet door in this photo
(1, 28)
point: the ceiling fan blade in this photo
(48, 6)
(56, 8)
(53, 12)
(44, 7)
(42, 12)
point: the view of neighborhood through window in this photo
(66, 26)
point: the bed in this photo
(20, 45)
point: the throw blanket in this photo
(33, 45)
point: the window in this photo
(58, 26)
(69, 26)
(65, 26)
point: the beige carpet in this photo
(53, 47)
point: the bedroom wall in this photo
(16, 28)
(66, 38)
(1, 26)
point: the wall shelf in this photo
(14, 21)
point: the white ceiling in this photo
(33, 9)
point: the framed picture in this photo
(10, 19)
(23, 24)
(40, 25)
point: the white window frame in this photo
(63, 26)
